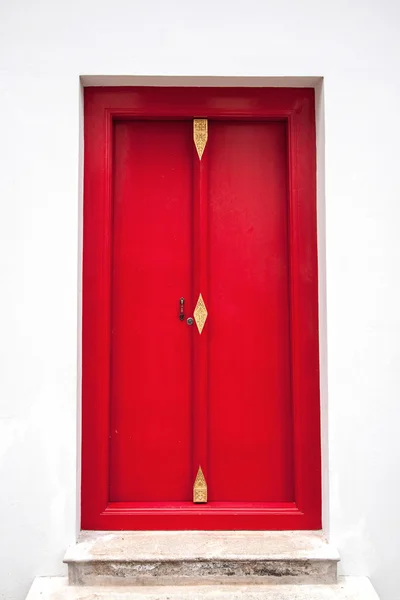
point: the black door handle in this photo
(181, 309)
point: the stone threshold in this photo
(201, 557)
(194, 545)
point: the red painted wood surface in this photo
(271, 168)
(151, 367)
(250, 405)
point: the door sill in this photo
(211, 516)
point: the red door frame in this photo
(296, 107)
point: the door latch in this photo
(181, 309)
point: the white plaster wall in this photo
(44, 47)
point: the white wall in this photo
(44, 47)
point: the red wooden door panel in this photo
(241, 399)
(150, 445)
(250, 405)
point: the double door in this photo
(200, 347)
(200, 375)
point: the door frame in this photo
(295, 106)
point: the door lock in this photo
(181, 309)
(190, 321)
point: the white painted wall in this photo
(44, 47)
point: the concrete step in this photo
(348, 588)
(201, 557)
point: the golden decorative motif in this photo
(200, 135)
(200, 313)
(200, 488)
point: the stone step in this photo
(201, 557)
(348, 588)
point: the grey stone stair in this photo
(349, 588)
(201, 557)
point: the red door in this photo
(249, 397)
(151, 363)
(199, 270)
